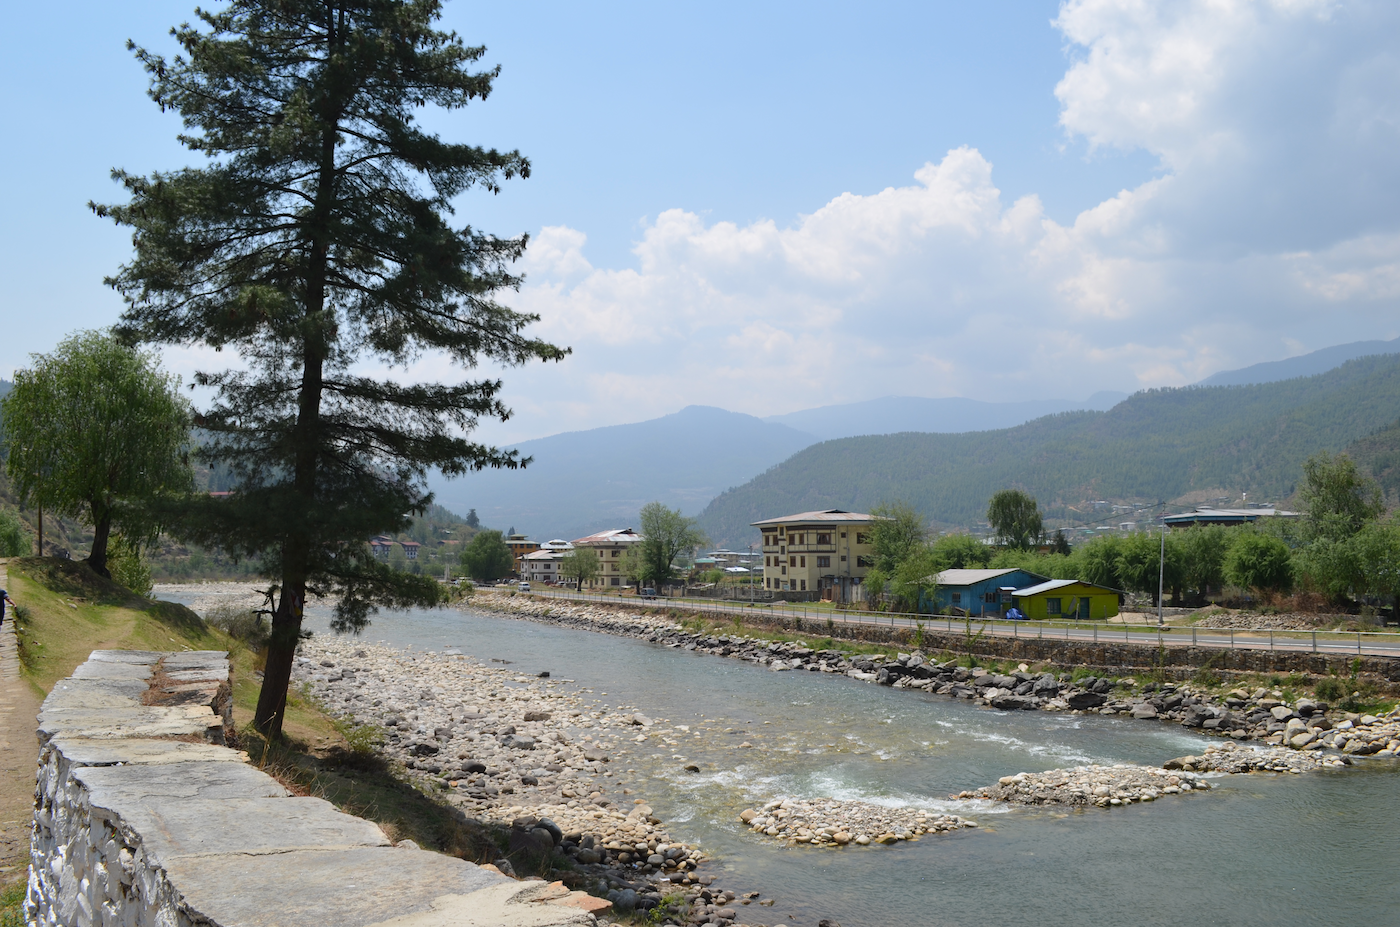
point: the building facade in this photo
(519, 546)
(542, 566)
(1067, 598)
(612, 547)
(815, 555)
(977, 592)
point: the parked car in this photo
(524, 587)
(648, 593)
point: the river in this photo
(1316, 848)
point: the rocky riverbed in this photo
(527, 752)
(828, 822)
(1103, 786)
(1259, 714)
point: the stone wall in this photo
(143, 817)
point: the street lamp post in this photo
(1162, 567)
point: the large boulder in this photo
(1083, 700)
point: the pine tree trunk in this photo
(97, 559)
(281, 652)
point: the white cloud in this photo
(1275, 222)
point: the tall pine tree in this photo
(315, 238)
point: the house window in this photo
(843, 534)
(1052, 606)
(823, 562)
(865, 561)
(804, 585)
(862, 539)
(804, 561)
(991, 597)
(616, 552)
(957, 598)
(843, 558)
(802, 539)
(614, 567)
(823, 539)
(792, 561)
(616, 581)
(766, 561)
(782, 531)
(782, 550)
(784, 571)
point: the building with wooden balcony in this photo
(817, 555)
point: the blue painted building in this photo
(977, 592)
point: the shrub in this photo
(240, 623)
(128, 567)
(14, 540)
(1332, 689)
(1258, 561)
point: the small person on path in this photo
(5, 597)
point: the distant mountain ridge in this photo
(1304, 365)
(1157, 444)
(893, 414)
(587, 481)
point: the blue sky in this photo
(774, 206)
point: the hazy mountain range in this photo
(585, 481)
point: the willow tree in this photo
(315, 242)
(94, 430)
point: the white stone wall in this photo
(143, 818)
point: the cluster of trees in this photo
(1343, 549)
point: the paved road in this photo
(1368, 643)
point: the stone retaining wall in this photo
(143, 818)
(1105, 656)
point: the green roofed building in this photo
(1067, 598)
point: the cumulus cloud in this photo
(1272, 224)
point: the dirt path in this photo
(18, 753)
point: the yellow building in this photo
(1067, 598)
(611, 547)
(520, 546)
(817, 554)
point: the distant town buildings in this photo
(381, 545)
(519, 546)
(1206, 515)
(824, 554)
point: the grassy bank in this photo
(68, 611)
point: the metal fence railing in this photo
(811, 618)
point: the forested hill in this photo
(1158, 444)
(1379, 455)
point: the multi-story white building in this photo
(611, 547)
(542, 566)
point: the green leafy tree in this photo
(472, 520)
(666, 535)
(95, 430)
(913, 580)
(961, 552)
(1144, 558)
(1059, 544)
(14, 540)
(1098, 561)
(1015, 517)
(315, 239)
(1339, 498)
(487, 558)
(1377, 553)
(1203, 552)
(580, 565)
(896, 534)
(1259, 561)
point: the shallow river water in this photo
(1317, 848)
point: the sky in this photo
(774, 206)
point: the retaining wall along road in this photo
(142, 817)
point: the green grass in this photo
(12, 905)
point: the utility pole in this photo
(1162, 566)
